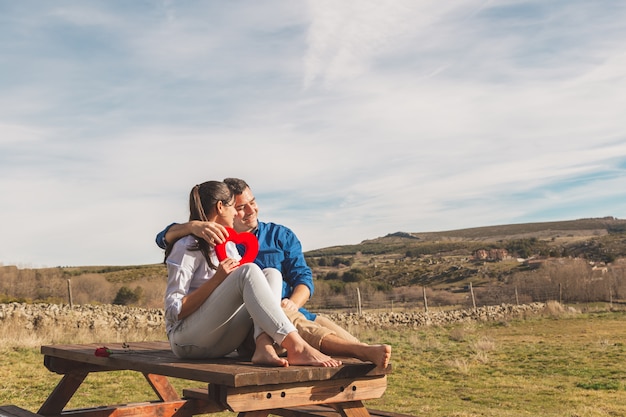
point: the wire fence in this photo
(423, 298)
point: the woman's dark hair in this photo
(203, 199)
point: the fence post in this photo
(358, 297)
(473, 298)
(69, 292)
(516, 296)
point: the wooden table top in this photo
(157, 358)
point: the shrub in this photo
(125, 296)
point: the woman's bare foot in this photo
(265, 354)
(300, 352)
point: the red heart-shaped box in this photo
(247, 239)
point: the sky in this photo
(349, 119)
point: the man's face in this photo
(247, 211)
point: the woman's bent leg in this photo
(217, 328)
(261, 303)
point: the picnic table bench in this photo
(232, 384)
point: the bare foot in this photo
(300, 352)
(310, 356)
(265, 354)
(379, 355)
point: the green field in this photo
(562, 365)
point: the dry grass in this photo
(15, 335)
(553, 366)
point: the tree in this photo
(125, 296)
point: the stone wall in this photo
(121, 318)
(38, 316)
(438, 318)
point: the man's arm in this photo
(296, 273)
(212, 232)
(160, 237)
(298, 298)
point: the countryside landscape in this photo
(557, 350)
(568, 261)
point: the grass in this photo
(557, 365)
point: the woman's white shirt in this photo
(187, 269)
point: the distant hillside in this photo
(571, 260)
(559, 231)
(584, 259)
(580, 227)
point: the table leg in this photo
(351, 409)
(62, 394)
(161, 385)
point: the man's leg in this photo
(339, 331)
(310, 331)
(328, 342)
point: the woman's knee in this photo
(251, 272)
(274, 277)
(250, 269)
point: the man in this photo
(279, 248)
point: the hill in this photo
(581, 258)
(559, 232)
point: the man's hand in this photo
(213, 233)
(288, 305)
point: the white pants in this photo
(247, 297)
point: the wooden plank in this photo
(306, 393)
(382, 413)
(62, 393)
(157, 358)
(66, 366)
(15, 411)
(327, 411)
(306, 411)
(262, 413)
(161, 385)
(182, 408)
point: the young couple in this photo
(211, 306)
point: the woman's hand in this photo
(213, 233)
(225, 267)
(193, 300)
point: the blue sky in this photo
(350, 119)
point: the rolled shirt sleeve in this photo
(182, 265)
(160, 237)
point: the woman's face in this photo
(226, 217)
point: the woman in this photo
(210, 306)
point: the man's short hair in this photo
(236, 185)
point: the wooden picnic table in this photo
(232, 384)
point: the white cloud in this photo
(350, 120)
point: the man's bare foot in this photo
(379, 355)
(265, 354)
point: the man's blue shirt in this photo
(281, 249)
